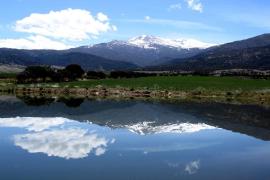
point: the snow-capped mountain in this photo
(145, 128)
(152, 42)
(146, 50)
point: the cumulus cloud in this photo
(175, 7)
(33, 42)
(192, 167)
(195, 5)
(56, 29)
(69, 24)
(66, 143)
(102, 17)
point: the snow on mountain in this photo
(152, 41)
(146, 50)
(145, 128)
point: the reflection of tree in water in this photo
(41, 101)
(72, 102)
(247, 119)
(36, 101)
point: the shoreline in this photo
(260, 97)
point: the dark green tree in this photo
(74, 71)
(37, 74)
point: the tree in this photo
(74, 71)
(36, 74)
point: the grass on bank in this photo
(185, 83)
(7, 81)
(7, 76)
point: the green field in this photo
(7, 80)
(7, 84)
(8, 75)
(184, 83)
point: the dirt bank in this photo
(254, 97)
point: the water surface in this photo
(89, 139)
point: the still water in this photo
(81, 139)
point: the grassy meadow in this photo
(175, 83)
(7, 81)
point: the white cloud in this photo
(33, 42)
(147, 17)
(68, 143)
(114, 28)
(175, 7)
(56, 28)
(102, 17)
(68, 24)
(195, 5)
(192, 167)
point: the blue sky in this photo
(212, 21)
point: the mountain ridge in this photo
(145, 50)
(251, 53)
(151, 53)
(59, 58)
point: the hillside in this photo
(253, 53)
(145, 50)
(14, 57)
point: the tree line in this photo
(38, 74)
(73, 72)
(43, 74)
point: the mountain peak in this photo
(146, 50)
(145, 38)
(148, 41)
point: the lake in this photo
(56, 138)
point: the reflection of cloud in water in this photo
(173, 147)
(192, 167)
(32, 123)
(69, 143)
(50, 136)
(149, 128)
(173, 165)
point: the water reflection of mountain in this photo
(246, 119)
